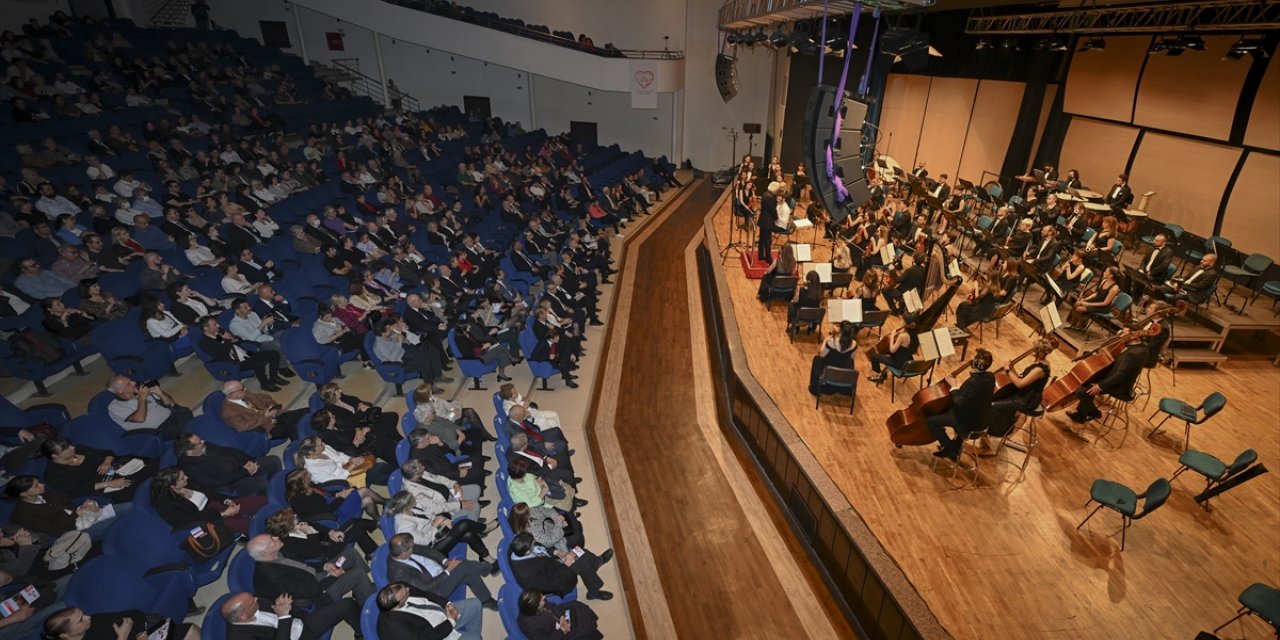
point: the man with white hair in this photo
(246, 411)
(551, 441)
(146, 407)
(275, 575)
(450, 434)
(246, 620)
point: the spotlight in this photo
(778, 39)
(982, 44)
(1008, 45)
(1257, 47)
(1094, 44)
(1192, 42)
(734, 38)
(1167, 46)
(1058, 44)
(759, 37)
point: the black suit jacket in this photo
(400, 625)
(181, 513)
(1125, 371)
(241, 238)
(219, 349)
(434, 460)
(1164, 257)
(218, 468)
(545, 574)
(271, 579)
(257, 632)
(1200, 289)
(1045, 258)
(973, 400)
(1121, 200)
(418, 579)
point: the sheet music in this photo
(844, 311)
(1056, 289)
(912, 301)
(887, 254)
(803, 252)
(1049, 318)
(802, 223)
(936, 344)
(822, 268)
(953, 268)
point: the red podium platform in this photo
(751, 266)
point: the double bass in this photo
(1093, 364)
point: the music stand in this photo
(1031, 274)
(741, 230)
(1137, 278)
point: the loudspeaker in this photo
(846, 144)
(727, 76)
(751, 127)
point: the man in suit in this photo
(405, 615)
(436, 574)
(220, 344)
(224, 468)
(1042, 253)
(274, 574)
(1195, 288)
(255, 270)
(971, 407)
(178, 228)
(1120, 196)
(1118, 382)
(765, 224)
(552, 467)
(548, 350)
(449, 433)
(244, 411)
(270, 303)
(1157, 260)
(247, 621)
(522, 261)
(422, 321)
(241, 235)
(537, 568)
(543, 441)
(428, 449)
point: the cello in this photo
(1004, 382)
(1092, 364)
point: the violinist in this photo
(908, 279)
(808, 296)
(902, 347)
(1118, 382)
(1075, 225)
(841, 259)
(1028, 389)
(979, 304)
(836, 351)
(970, 409)
(1020, 239)
(868, 291)
(1101, 248)
(785, 265)
(1098, 301)
(1069, 277)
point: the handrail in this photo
(372, 87)
(466, 14)
(165, 5)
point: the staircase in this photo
(345, 72)
(171, 13)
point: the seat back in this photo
(784, 284)
(1156, 495)
(875, 318)
(915, 368)
(214, 627)
(1212, 405)
(839, 377)
(1242, 462)
(1257, 263)
(240, 572)
(1122, 302)
(1174, 229)
(369, 617)
(811, 315)
(509, 611)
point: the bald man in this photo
(144, 407)
(247, 620)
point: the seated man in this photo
(245, 621)
(249, 326)
(437, 575)
(449, 433)
(156, 275)
(275, 575)
(970, 409)
(157, 411)
(464, 417)
(75, 624)
(537, 568)
(268, 303)
(438, 494)
(244, 411)
(544, 441)
(408, 616)
(224, 468)
(427, 449)
(552, 468)
(39, 284)
(1118, 382)
(1195, 288)
(222, 346)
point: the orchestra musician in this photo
(902, 347)
(1028, 386)
(980, 303)
(1154, 265)
(1041, 254)
(1119, 380)
(1195, 288)
(1076, 224)
(920, 171)
(785, 265)
(837, 351)
(1120, 196)
(1097, 301)
(868, 290)
(908, 279)
(1069, 277)
(970, 408)
(1050, 176)
(1100, 249)
(1073, 180)
(766, 224)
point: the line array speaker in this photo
(727, 76)
(846, 152)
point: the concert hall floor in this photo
(1004, 559)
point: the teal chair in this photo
(1174, 408)
(1251, 269)
(1215, 471)
(1271, 288)
(1124, 501)
(913, 369)
(837, 380)
(1118, 306)
(1260, 600)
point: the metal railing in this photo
(453, 12)
(371, 87)
(1157, 17)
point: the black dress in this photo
(834, 358)
(968, 313)
(1004, 413)
(77, 480)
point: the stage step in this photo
(1197, 355)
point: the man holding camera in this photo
(146, 407)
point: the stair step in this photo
(1197, 355)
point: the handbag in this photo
(207, 540)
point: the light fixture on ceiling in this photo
(1255, 46)
(1096, 43)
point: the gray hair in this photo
(424, 413)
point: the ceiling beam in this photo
(1165, 17)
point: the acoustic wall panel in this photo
(1251, 221)
(1189, 177)
(1050, 94)
(1098, 150)
(946, 119)
(1264, 121)
(900, 118)
(1195, 93)
(995, 114)
(1102, 83)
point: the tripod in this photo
(741, 229)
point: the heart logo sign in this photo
(644, 79)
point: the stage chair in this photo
(839, 282)
(1272, 289)
(810, 317)
(1116, 408)
(996, 316)
(838, 380)
(783, 287)
(956, 466)
(913, 369)
(1215, 471)
(1124, 501)
(874, 320)
(1251, 269)
(1260, 600)
(1172, 407)
(1122, 302)
(1027, 425)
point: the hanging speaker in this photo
(727, 76)
(847, 145)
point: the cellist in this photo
(1028, 388)
(1119, 380)
(970, 409)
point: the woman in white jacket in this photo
(435, 530)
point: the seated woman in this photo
(837, 351)
(559, 533)
(534, 491)
(1100, 248)
(438, 494)
(808, 296)
(329, 330)
(184, 506)
(101, 305)
(233, 282)
(68, 323)
(86, 471)
(327, 464)
(313, 543)
(511, 397)
(485, 350)
(785, 265)
(160, 324)
(541, 619)
(1028, 385)
(335, 501)
(350, 412)
(903, 344)
(436, 531)
(356, 441)
(979, 305)
(1097, 301)
(46, 511)
(1070, 278)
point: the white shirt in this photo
(266, 227)
(268, 619)
(422, 562)
(328, 468)
(56, 206)
(101, 172)
(247, 328)
(238, 286)
(433, 613)
(199, 499)
(199, 307)
(164, 327)
(124, 188)
(1193, 276)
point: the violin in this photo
(1092, 364)
(908, 424)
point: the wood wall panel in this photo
(1189, 177)
(903, 113)
(1050, 94)
(1264, 121)
(995, 114)
(1252, 221)
(946, 120)
(1172, 84)
(1102, 83)
(1097, 149)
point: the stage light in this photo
(982, 44)
(1008, 45)
(1096, 43)
(733, 38)
(1192, 42)
(1257, 47)
(778, 39)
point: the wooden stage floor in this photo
(1004, 559)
